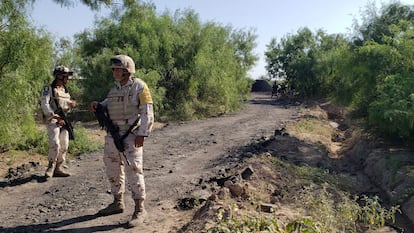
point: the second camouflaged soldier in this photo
(129, 102)
(57, 96)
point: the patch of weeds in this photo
(374, 215)
(303, 225)
(338, 212)
(37, 144)
(320, 203)
(315, 175)
(312, 126)
(243, 224)
(83, 143)
(309, 175)
(320, 209)
(334, 211)
(246, 224)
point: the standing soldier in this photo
(128, 104)
(56, 101)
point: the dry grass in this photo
(314, 127)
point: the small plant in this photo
(303, 225)
(82, 143)
(374, 215)
(336, 211)
(248, 224)
(244, 224)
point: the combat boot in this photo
(139, 214)
(115, 207)
(58, 171)
(50, 169)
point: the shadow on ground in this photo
(53, 227)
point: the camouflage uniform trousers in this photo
(117, 167)
(58, 142)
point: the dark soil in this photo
(183, 164)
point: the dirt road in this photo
(176, 160)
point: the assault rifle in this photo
(68, 126)
(104, 121)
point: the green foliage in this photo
(332, 213)
(371, 74)
(25, 61)
(341, 213)
(193, 70)
(82, 143)
(93, 4)
(379, 72)
(39, 142)
(243, 224)
(392, 112)
(303, 225)
(374, 215)
(98, 77)
(326, 211)
(179, 45)
(376, 25)
(295, 59)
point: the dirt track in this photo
(177, 158)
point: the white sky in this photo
(269, 18)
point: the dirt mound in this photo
(23, 174)
(261, 85)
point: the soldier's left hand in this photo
(139, 141)
(73, 103)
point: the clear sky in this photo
(269, 18)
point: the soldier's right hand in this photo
(60, 122)
(92, 106)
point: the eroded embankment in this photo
(388, 169)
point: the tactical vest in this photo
(123, 102)
(63, 99)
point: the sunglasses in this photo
(116, 62)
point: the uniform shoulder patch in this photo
(46, 90)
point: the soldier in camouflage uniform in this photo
(128, 102)
(57, 93)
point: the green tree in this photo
(392, 110)
(329, 55)
(193, 69)
(25, 62)
(371, 73)
(293, 58)
(376, 23)
(376, 71)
